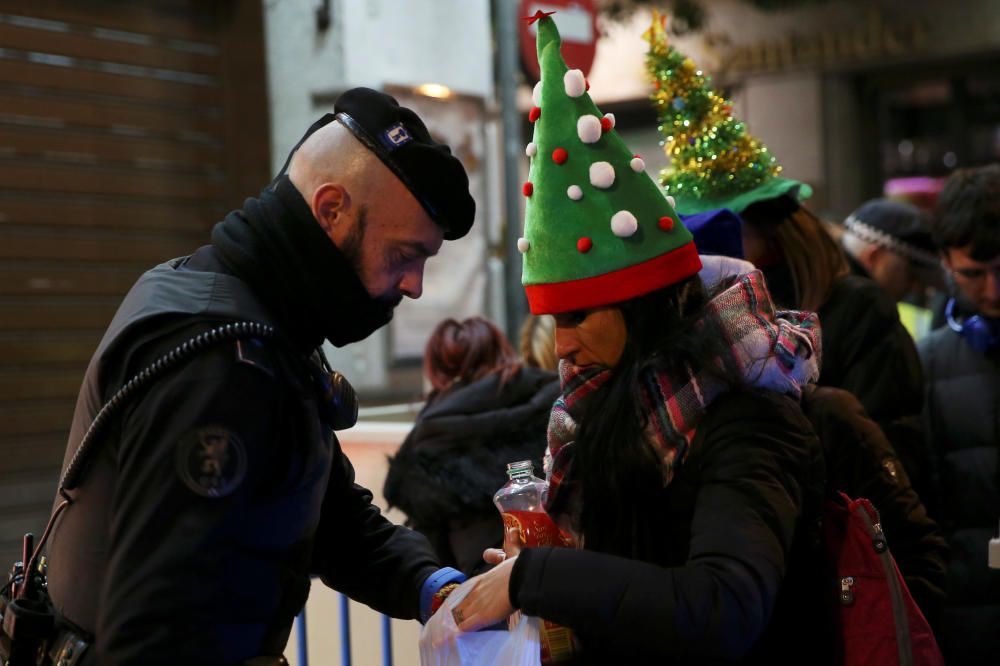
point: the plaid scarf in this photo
(778, 351)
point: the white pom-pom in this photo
(574, 192)
(671, 201)
(637, 164)
(536, 94)
(531, 149)
(611, 117)
(588, 128)
(602, 175)
(624, 224)
(574, 83)
(523, 244)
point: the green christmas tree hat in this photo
(597, 229)
(714, 162)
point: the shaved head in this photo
(367, 211)
(332, 154)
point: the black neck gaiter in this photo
(275, 245)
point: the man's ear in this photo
(870, 255)
(330, 205)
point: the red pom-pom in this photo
(606, 124)
(637, 155)
(583, 245)
(666, 223)
(527, 188)
(559, 155)
(535, 112)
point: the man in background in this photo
(962, 367)
(890, 242)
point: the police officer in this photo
(216, 488)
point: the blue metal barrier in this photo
(345, 631)
(300, 635)
(345, 635)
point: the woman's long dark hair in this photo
(616, 466)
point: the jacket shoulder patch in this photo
(211, 461)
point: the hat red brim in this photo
(616, 286)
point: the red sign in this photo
(577, 23)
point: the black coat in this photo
(447, 470)
(151, 563)
(868, 351)
(963, 427)
(729, 570)
(861, 462)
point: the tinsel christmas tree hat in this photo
(714, 162)
(597, 229)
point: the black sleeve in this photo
(878, 363)
(171, 594)
(718, 603)
(877, 359)
(360, 553)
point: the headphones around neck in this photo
(981, 333)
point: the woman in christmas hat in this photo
(678, 459)
(716, 164)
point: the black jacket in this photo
(165, 560)
(963, 426)
(861, 462)
(730, 571)
(446, 472)
(868, 351)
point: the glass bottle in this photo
(521, 502)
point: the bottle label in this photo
(556, 643)
(535, 528)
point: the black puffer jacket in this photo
(453, 461)
(963, 426)
(861, 462)
(727, 565)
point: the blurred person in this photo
(866, 349)
(860, 460)
(485, 410)
(715, 163)
(679, 460)
(538, 342)
(962, 408)
(890, 241)
(216, 493)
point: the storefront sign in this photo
(871, 41)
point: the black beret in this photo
(401, 140)
(897, 225)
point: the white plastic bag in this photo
(442, 644)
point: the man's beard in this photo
(380, 309)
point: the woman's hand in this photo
(488, 600)
(511, 547)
